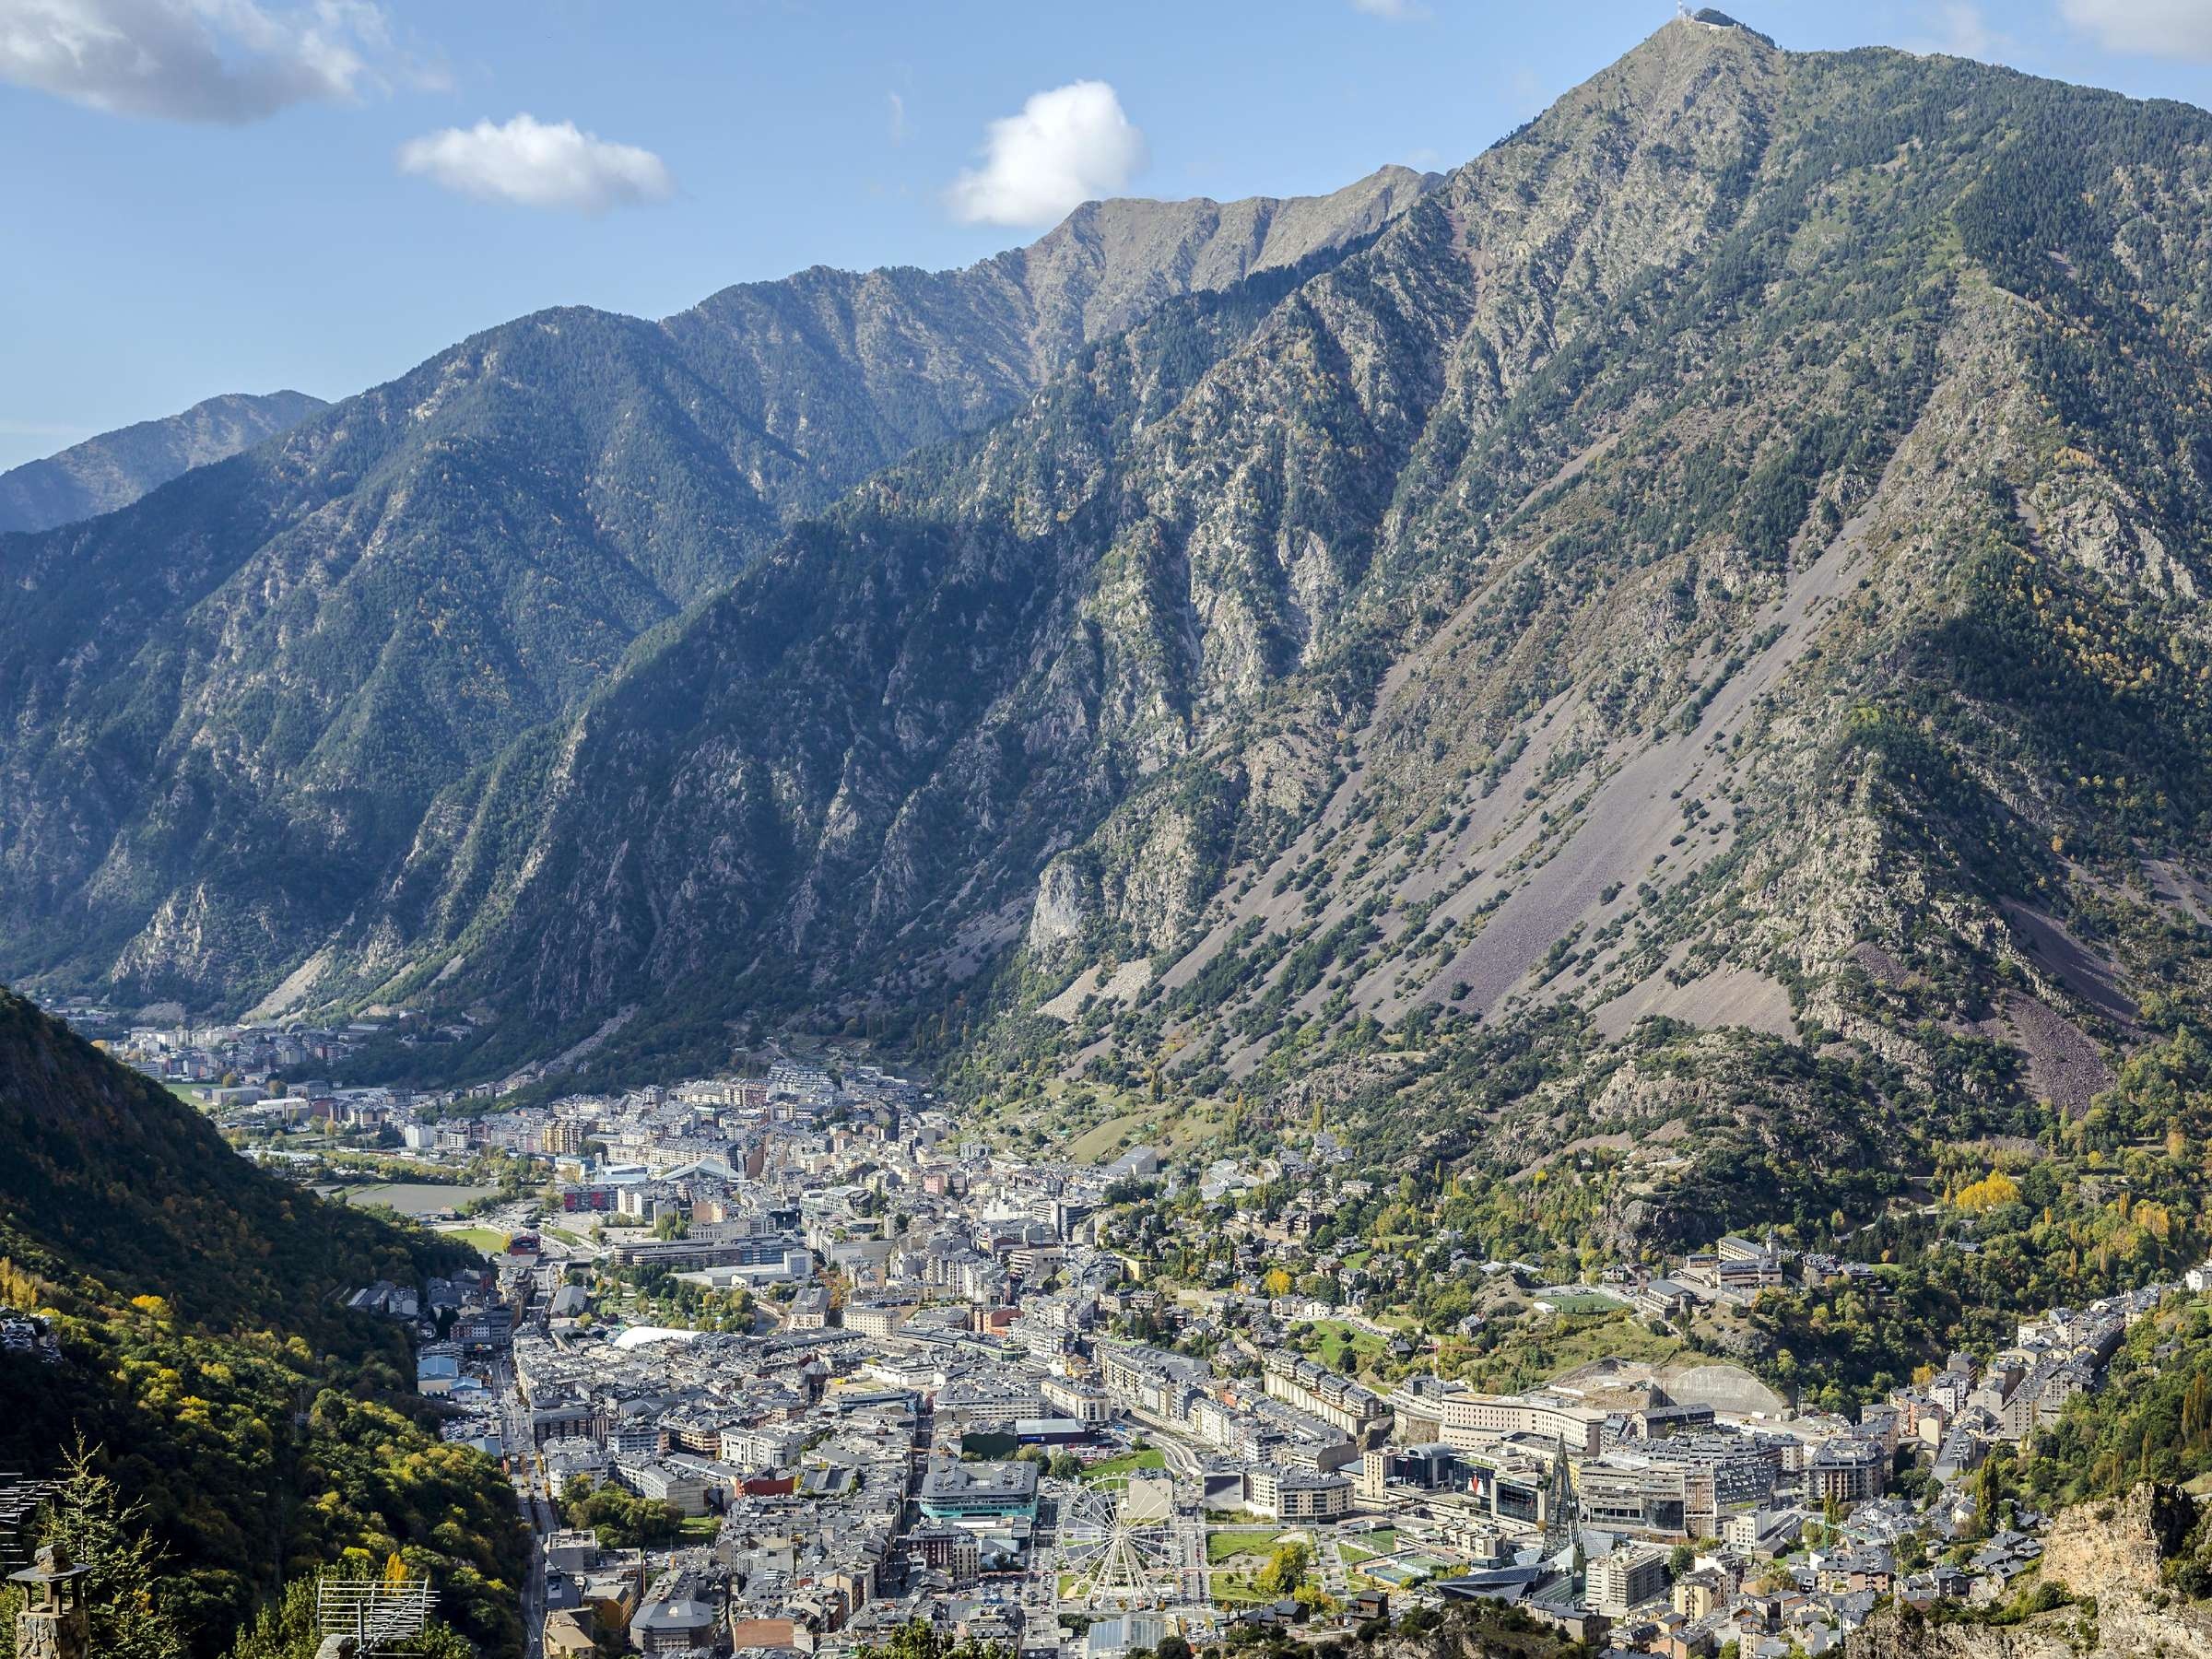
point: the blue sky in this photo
(213, 196)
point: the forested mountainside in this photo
(199, 1350)
(229, 705)
(116, 468)
(1731, 553)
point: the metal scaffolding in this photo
(378, 1614)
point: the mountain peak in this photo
(361, 563)
(1711, 18)
(114, 469)
(1436, 640)
(1678, 86)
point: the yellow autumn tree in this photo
(1995, 1189)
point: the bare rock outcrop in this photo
(2108, 1555)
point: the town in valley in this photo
(788, 1360)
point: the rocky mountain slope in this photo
(116, 468)
(229, 705)
(2108, 1558)
(1731, 553)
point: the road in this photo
(1329, 1560)
(531, 1499)
(1190, 1548)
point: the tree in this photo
(1286, 1570)
(1315, 1600)
(621, 1519)
(1995, 1189)
(916, 1639)
(126, 1585)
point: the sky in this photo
(218, 195)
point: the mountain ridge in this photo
(1722, 561)
(302, 645)
(113, 469)
(1616, 582)
(1429, 223)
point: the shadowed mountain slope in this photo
(229, 705)
(200, 1345)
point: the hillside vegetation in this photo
(204, 1357)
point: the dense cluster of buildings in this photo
(904, 1359)
(241, 1064)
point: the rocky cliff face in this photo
(116, 468)
(230, 706)
(2056, 1635)
(1688, 566)
(2108, 1557)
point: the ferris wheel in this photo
(1119, 1544)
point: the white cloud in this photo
(898, 117)
(2167, 29)
(1397, 11)
(1966, 32)
(198, 60)
(1067, 147)
(540, 164)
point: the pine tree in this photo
(126, 1590)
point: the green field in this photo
(1221, 1545)
(1367, 1545)
(1586, 1302)
(1343, 1348)
(485, 1239)
(1128, 1463)
(1235, 1590)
